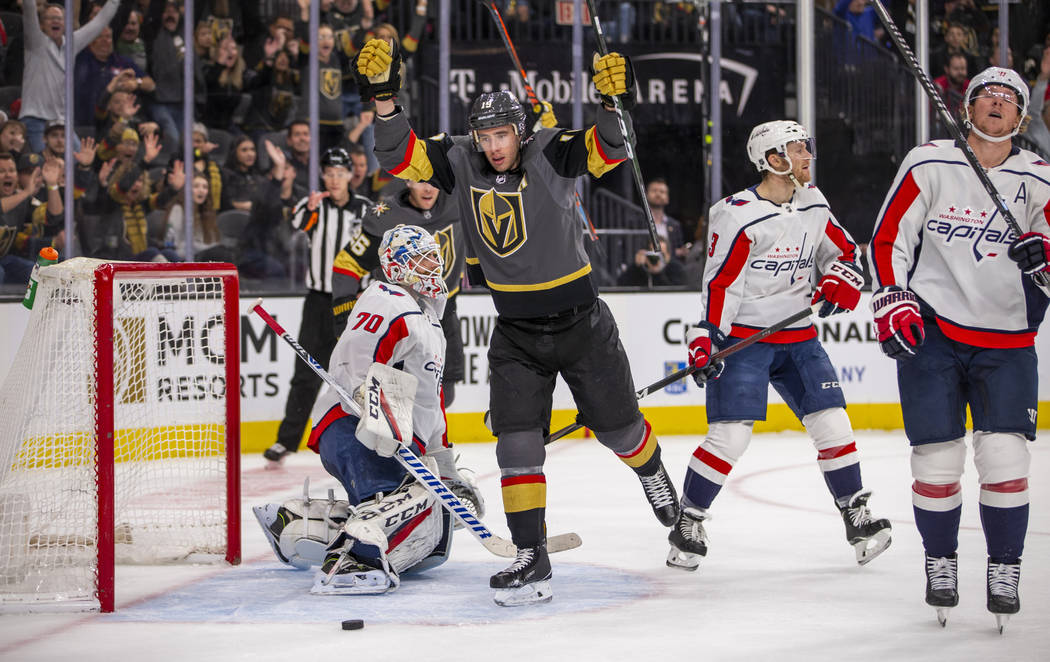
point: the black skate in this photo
(526, 581)
(688, 540)
(869, 537)
(942, 584)
(275, 455)
(1003, 600)
(661, 495)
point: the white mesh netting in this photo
(169, 435)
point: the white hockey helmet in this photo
(998, 76)
(401, 256)
(776, 135)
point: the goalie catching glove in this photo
(839, 289)
(377, 69)
(1031, 252)
(386, 400)
(613, 76)
(898, 322)
(701, 349)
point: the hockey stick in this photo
(924, 81)
(530, 93)
(534, 100)
(686, 372)
(622, 115)
(495, 544)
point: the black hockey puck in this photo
(353, 624)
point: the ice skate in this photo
(869, 537)
(661, 495)
(275, 455)
(343, 574)
(688, 540)
(942, 585)
(526, 580)
(1003, 599)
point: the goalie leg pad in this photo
(300, 530)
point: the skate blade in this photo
(867, 550)
(534, 593)
(942, 615)
(372, 582)
(1001, 620)
(688, 561)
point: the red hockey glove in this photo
(839, 289)
(898, 322)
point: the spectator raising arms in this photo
(43, 84)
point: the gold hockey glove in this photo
(613, 75)
(377, 69)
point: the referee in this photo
(329, 219)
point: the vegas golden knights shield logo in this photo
(446, 241)
(500, 219)
(331, 83)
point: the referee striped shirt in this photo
(329, 228)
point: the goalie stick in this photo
(686, 372)
(495, 544)
(1041, 278)
(622, 115)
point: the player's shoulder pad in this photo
(811, 196)
(734, 210)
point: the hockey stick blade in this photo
(1041, 278)
(408, 460)
(686, 372)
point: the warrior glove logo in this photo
(500, 219)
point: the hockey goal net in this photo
(119, 429)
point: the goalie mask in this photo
(409, 256)
(979, 86)
(493, 109)
(777, 135)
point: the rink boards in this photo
(652, 328)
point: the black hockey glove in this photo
(1031, 252)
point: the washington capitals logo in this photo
(968, 223)
(380, 208)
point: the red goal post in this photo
(121, 436)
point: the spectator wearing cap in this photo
(12, 137)
(43, 84)
(124, 232)
(55, 140)
(13, 268)
(98, 70)
(202, 162)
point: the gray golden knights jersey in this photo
(360, 256)
(524, 239)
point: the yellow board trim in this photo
(463, 428)
(549, 285)
(529, 496)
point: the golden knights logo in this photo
(446, 241)
(331, 83)
(500, 219)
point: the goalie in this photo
(391, 356)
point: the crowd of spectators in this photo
(250, 137)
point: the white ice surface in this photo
(779, 583)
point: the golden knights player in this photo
(422, 205)
(525, 244)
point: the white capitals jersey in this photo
(940, 235)
(763, 259)
(387, 325)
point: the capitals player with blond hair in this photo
(390, 523)
(957, 306)
(767, 245)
